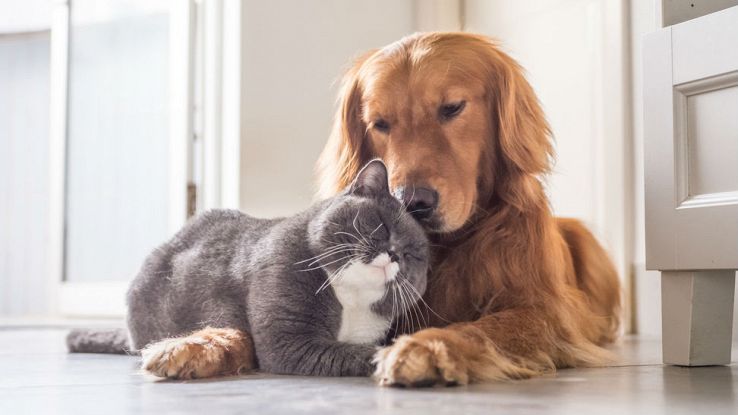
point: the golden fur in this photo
(524, 292)
(204, 353)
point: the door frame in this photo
(107, 299)
(219, 78)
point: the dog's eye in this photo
(381, 125)
(451, 110)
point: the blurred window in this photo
(24, 139)
(117, 137)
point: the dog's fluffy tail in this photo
(113, 341)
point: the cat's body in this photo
(316, 291)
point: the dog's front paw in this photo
(418, 361)
(205, 353)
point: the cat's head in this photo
(366, 241)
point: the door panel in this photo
(706, 46)
(710, 135)
(691, 144)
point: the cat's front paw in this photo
(204, 353)
(417, 361)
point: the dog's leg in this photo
(205, 353)
(511, 344)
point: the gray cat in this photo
(316, 291)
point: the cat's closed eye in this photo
(409, 256)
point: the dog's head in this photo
(452, 116)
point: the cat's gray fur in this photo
(227, 269)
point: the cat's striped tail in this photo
(113, 341)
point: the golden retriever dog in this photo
(514, 291)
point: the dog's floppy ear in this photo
(523, 142)
(522, 130)
(343, 155)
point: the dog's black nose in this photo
(420, 202)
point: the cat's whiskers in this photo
(333, 250)
(403, 206)
(399, 312)
(361, 242)
(383, 296)
(395, 314)
(420, 316)
(357, 229)
(375, 229)
(415, 317)
(335, 275)
(419, 210)
(408, 319)
(317, 261)
(408, 306)
(421, 300)
(325, 254)
(326, 264)
(338, 274)
(319, 258)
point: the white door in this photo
(691, 169)
(121, 132)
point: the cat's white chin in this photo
(358, 287)
(386, 266)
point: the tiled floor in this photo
(37, 376)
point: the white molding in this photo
(219, 103)
(232, 65)
(181, 91)
(684, 197)
(211, 108)
(711, 199)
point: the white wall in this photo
(294, 54)
(647, 284)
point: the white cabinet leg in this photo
(697, 316)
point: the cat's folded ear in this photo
(371, 180)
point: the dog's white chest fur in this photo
(360, 286)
